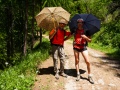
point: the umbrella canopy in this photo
(91, 23)
(49, 17)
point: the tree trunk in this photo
(9, 28)
(26, 29)
(33, 24)
(40, 35)
(40, 28)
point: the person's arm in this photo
(86, 38)
(69, 36)
(52, 33)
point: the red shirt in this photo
(79, 42)
(59, 37)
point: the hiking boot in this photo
(90, 79)
(57, 76)
(63, 74)
(78, 77)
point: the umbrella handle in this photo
(53, 22)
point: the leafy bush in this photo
(22, 75)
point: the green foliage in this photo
(115, 33)
(109, 35)
(12, 79)
(99, 8)
(22, 75)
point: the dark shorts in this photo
(80, 50)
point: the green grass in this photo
(22, 75)
(110, 51)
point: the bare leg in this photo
(76, 54)
(86, 58)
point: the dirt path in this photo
(106, 73)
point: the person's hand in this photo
(68, 37)
(88, 40)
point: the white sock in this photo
(90, 75)
(78, 73)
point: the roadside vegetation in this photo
(110, 51)
(107, 43)
(21, 76)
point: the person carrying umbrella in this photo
(79, 45)
(57, 37)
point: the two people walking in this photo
(57, 37)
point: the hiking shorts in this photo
(81, 49)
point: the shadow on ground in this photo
(72, 72)
(114, 62)
(50, 70)
(69, 72)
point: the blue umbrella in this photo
(91, 23)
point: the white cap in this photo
(63, 21)
(80, 20)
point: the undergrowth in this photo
(22, 75)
